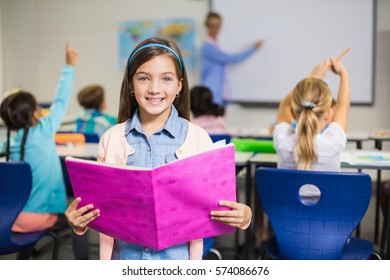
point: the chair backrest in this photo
(317, 231)
(91, 138)
(218, 137)
(15, 188)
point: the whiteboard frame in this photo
(369, 98)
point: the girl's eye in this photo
(167, 79)
(143, 78)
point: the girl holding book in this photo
(153, 129)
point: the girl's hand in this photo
(78, 218)
(239, 215)
(71, 55)
(320, 70)
(337, 67)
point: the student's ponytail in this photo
(311, 99)
(305, 150)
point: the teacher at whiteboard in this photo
(214, 61)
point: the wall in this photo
(35, 32)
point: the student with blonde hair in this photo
(320, 134)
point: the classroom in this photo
(33, 36)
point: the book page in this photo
(128, 167)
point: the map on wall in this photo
(182, 31)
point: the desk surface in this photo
(88, 150)
(263, 133)
(242, 158)
(271, 160)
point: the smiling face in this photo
(155, 87)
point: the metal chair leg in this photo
(56, 244)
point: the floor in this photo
(224, 244)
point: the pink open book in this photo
(159, 207)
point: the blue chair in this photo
(218, 137)
(385, 242)
(208, 248)
(91, 138)
(316, 230)
(16, 184)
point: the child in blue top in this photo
(153, 129)
(93, 119)
(32, 141)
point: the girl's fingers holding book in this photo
(73, 205)
(85, 219)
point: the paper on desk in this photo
(365, 158)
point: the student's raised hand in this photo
(259, 44)
(71, 55)
(320, 70)
(239, 215)
(79, 218)
(337, 67)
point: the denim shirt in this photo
(159, 149)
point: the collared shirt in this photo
(159, 149)
(161, 146)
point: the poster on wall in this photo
(182, 31)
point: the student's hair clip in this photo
(306, 104)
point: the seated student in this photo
(319, 138)
(320, 135)
(30, 138)
(206, 114)
(92, 119)
(310, 134)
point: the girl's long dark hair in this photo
(128, 103)
(17, 111)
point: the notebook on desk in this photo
(159, 207)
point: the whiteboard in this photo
(297, 34)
